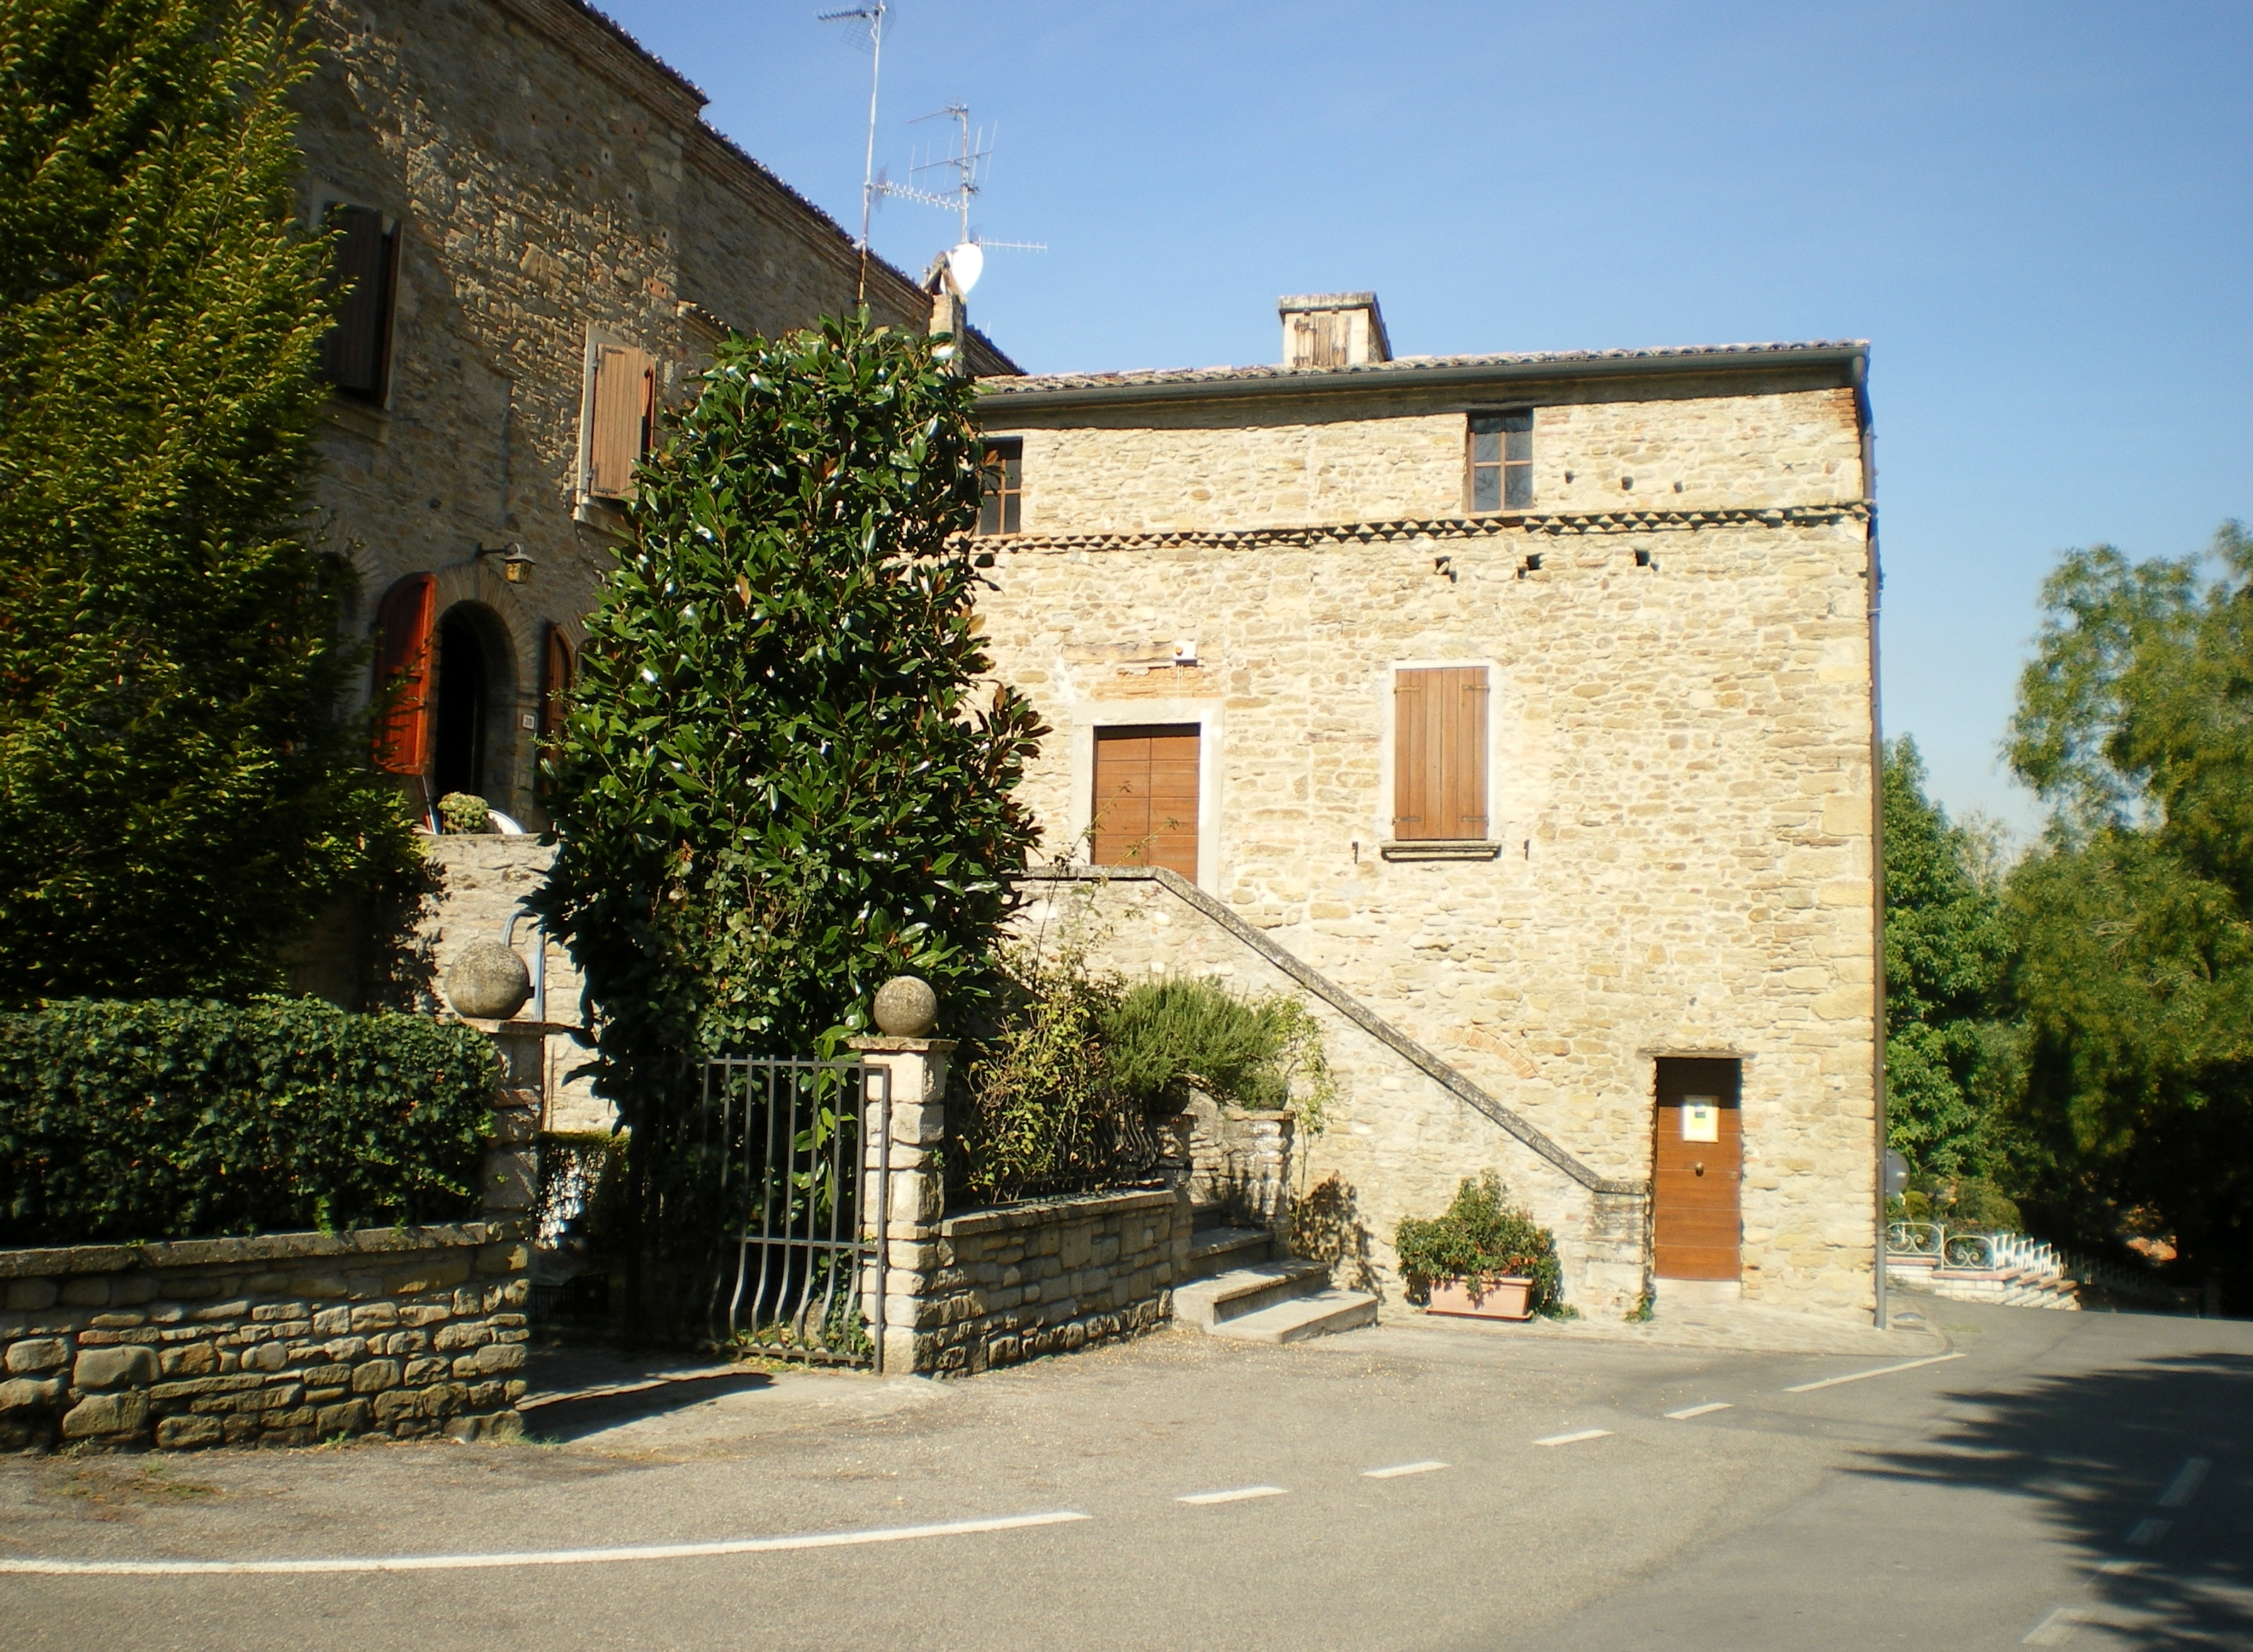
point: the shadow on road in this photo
(2099, 1451)
(581, 1393)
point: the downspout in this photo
(1873, 577)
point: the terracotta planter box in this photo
(1503, 1299)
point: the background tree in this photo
(1949, 1045)
(176, 796)
(785, 775)
(2135, 921)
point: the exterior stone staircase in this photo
(1240, 1287)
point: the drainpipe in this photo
(539, 959)
(1874, 578)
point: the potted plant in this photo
(1484, 1257)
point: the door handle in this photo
(1699, 1167)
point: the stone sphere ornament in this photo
(906, 1009)
(488, 982)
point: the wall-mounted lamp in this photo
(515, 565)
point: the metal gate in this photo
(801, 1155)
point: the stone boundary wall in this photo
(1240, 1163)
(992, 1287)
(283, 1340)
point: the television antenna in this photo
(971, 160)
(874, 15)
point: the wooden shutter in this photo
(1145, 797)
(625, 414)
(354, 356)
(1439, 787)
(402, 658)
(555, 682)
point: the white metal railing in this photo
(1920, 1243)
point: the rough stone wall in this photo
(285, 1340)
(992, 1287)
(1388, 457)
(1239, 1164)
(1680, 769)
(1394, 1142)
(547, 178)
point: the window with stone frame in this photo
(356, 352)
(1002, 477)
(1501, 460)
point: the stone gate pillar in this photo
(914, 1196)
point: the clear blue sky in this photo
(2038, 214)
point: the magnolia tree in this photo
(785, 774)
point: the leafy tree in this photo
(2135, 922)
(176, 796)
(784, 775)
(1948, 1046)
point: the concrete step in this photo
(1211, 1302)
(1301, 1317)
(1217, 1249)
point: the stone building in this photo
(1522, 704)
(540, 239)
(539, 243)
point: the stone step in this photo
(1217, 1249)
(1211, 1301)
(1301, 1317)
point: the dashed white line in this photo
(1570, 1440)
(1882, 1370)
(2185, 1483)
(2147, 1532)
(1398, 1469)
(1698, 1411)
(2119, 1567)
(532, 1557)
(1239, 1495)
(2057, 1629)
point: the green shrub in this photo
(1041, 1113)
(1164, 1035)
(170, 1120)
(1481, 1235)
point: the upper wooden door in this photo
(1145, 797)
(1696, 1221)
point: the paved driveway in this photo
(2056, 1479)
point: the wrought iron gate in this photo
(800, 1152)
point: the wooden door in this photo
(1145, 797)
(1697, 1225)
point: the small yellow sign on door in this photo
(1701, 1119)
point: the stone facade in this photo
(551, 187)
(284, 1339)
(1679, 860)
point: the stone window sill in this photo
(1440, 849)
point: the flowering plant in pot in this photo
(1483, 1256)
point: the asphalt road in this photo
(2063, 1479)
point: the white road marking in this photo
(532, 1557)
(1882, 1370)
(2057, 1629)
(1398, 1469)
(1569, 1439)
(1237, 1495)
(1698, 1411)
(2120, 1568)
(2185, 1483)
(2147, 1532)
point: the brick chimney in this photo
(1333, 330)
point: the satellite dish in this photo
(965, 263)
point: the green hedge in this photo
(167, 1120)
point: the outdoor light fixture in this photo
(515, 567)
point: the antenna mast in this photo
(874, 15)
(972, 154)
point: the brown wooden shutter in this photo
(1145, 797)
(354, 356)
(1439, 788)
(402, 657)
(554, 683)
(624, 418)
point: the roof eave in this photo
(1411, 376)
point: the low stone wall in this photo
(992, 1287)
(283, 1340)
(1239, 1164)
